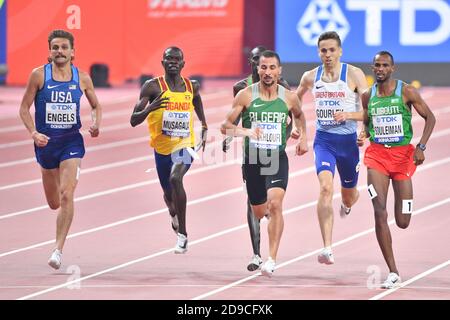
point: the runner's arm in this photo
(141, 110)
(239, 104)
(96, 112)
(199, 111)
(413, 97)
(299, 123)
(35, 81)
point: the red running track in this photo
(120, 243)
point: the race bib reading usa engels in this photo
(388, 128)
(176, 123)
(271, 135)
(60, 115)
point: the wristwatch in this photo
(421, 146)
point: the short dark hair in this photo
(384, 53)
(257, 48)
(175, 49)
(61, 34)
(330, 35)
(271, 54)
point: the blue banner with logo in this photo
(413, 31)
(2, 36)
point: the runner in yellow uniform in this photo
(168, 103)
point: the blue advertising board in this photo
(412, 30)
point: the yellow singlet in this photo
(172, 128)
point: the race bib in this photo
(271, 136)
(388, 129)
(60, 115)
(176, 124)
(325, 112)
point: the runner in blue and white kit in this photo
(336, 87)
(56, 89)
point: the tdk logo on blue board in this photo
(326, 15)
(409, 36)
(321, 16)
(413, 30)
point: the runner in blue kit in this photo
(336, 88)
(56, 89)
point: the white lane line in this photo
(193, 285)
(84, 171)
(436, 134)
(115, 190)
(142, 139)
(230, 191)
(212, 236)
(103, 129)
(312, 253)
(137, 185)
(111, 114)
(142, 216)
(413, 279)
(123, 221)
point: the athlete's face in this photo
(60, 51)
(382, 67)
(269, 71)
(173, 61)
(254, 59)
(329, 52)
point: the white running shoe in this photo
(175, 224)
(344, 212)
(55, 259)
(255, 263)
(181, 246)
(268, 267)
(393, 280)
(326, 256)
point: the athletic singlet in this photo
(270, 116)
(389, 118)
(172, 128)
(330, 97)
(57, 105)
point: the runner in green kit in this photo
(387, 116)
(265, 106)
(253, 222)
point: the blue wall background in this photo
(292, 48)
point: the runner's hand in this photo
(295, 134)
(418, 157)
(94, 131)
(254, 133)
(158, 103)
(302, 147)
(226, 143)
(361, 138)
(340, 116)
(40, 139)
(204, 137)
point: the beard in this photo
(268, 84)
